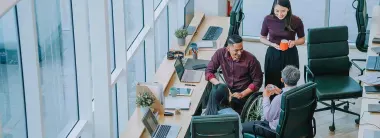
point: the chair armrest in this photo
(307, 71)
(266, 128)
(357, 66)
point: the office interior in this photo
(71, 68)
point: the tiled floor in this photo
(344, 123)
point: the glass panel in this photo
(134, 15)
(256, 10)
(112, 45)
(136, 73)
(12, 106)
(115, 112)
(342, 13)
(57, 66)
(161, 37)
(156, 3)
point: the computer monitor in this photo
(188, 16)
(236, 17)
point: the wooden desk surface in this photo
(373, 118)
(166, 76)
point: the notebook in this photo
(372, 89)
(172, 103)
(374, 108)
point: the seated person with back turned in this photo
(240, 69)
(219, 103)
(289, 76)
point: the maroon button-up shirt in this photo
(239, 75)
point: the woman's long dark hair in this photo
(288, 17)
(217, 100)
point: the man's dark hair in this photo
(233, 39)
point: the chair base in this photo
(334, 107)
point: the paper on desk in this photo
(206, 44)
(181, 102)
(370, 79)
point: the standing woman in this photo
(281, 24)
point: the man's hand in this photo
(276, 90)
(269, 90)
(238, 95)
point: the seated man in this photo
(240, 68)
(289, 76)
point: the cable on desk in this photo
(367, 123)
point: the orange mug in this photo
(284, 45)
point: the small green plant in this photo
(145, 99)
(181, 33)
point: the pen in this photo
(189, 85)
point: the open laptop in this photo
(159, 131)
(185, 75)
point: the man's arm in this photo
(271, 110)
(257, 78)
(212, 67)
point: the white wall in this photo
(218, 8)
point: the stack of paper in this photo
(370, 79)
(180, 102)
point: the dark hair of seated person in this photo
(218, 99)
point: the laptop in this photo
(374, 108)
(373, 63)
(185, 75)
(159, 131)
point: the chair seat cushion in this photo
(248, 135)
(337, 87)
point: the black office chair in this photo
(329, 66)
(362, 22)
(216, 126)
(296, 116)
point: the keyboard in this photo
(162, 131)
(213, 33)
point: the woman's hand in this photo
(275, 46)
(291, 43)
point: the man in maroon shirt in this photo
(240, 69)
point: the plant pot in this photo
(181, 41)
(143, 110)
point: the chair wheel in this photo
(345, 107)
(332, 128)
(357, 121)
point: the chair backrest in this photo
(297, 110)
(327, 50)
(361, 22)
(217, 126)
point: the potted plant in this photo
(181, 35)
(144, 100)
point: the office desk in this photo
(370, 117)
(167, 77)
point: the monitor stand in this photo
(190, 30)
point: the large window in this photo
(12, 106)
(342, 13)
(161, 37)
(136, 73)
(57, 67)
(156, 3)
(134, 19)
(112, 45)
(256, 10)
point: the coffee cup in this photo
(284, 45)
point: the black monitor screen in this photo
(189, 13)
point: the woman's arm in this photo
(265, 41)
(299, 41)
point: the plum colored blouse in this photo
(276, 29)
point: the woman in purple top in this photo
(281, 24)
